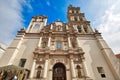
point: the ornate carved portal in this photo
(59, 72)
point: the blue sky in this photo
(103, 15)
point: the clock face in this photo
(37, 25)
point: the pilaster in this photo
(69, 42)
(82, 28)
(33, 69)
(46, 67)
(73, 74)
(39, 43)
(15, 45)
(49, 41)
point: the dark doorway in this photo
(59, 72)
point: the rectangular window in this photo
(101, 71)
(22, 62)
(59, 45)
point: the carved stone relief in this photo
(55, 60)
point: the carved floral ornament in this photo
(77, 50)
(59, 60)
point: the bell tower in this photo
(36, 24)
(77, 20)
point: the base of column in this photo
(74, 78)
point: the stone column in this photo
(39, 43)
(89, 29)
(33, 69)
(86, 71)
(49, 41)
(30, 25)
(69, 42)
(77, 41)
(51, 27)
(82, 28)
(66, 27)
(72, 69)
(45, 69)
(76, 28)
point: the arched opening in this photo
(59, 72)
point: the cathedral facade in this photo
(61, 51)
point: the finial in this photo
(96, 30)
(58, 20)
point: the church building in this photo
(59, 51)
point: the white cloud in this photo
(48, 3)
(27, 3)
(11, 19)
(109, 26)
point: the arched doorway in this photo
(59, 72)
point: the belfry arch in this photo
(59, 72)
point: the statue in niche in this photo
(79, 71)
(38, 72)
(58, 28)
(73, 42)
(75, 27)
(44, 42)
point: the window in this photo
(77, 11)
(79, 30)
(22, 62)
(85, 29)
(76, 19)
(59, 45)
(72, 11)
(101, 71)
